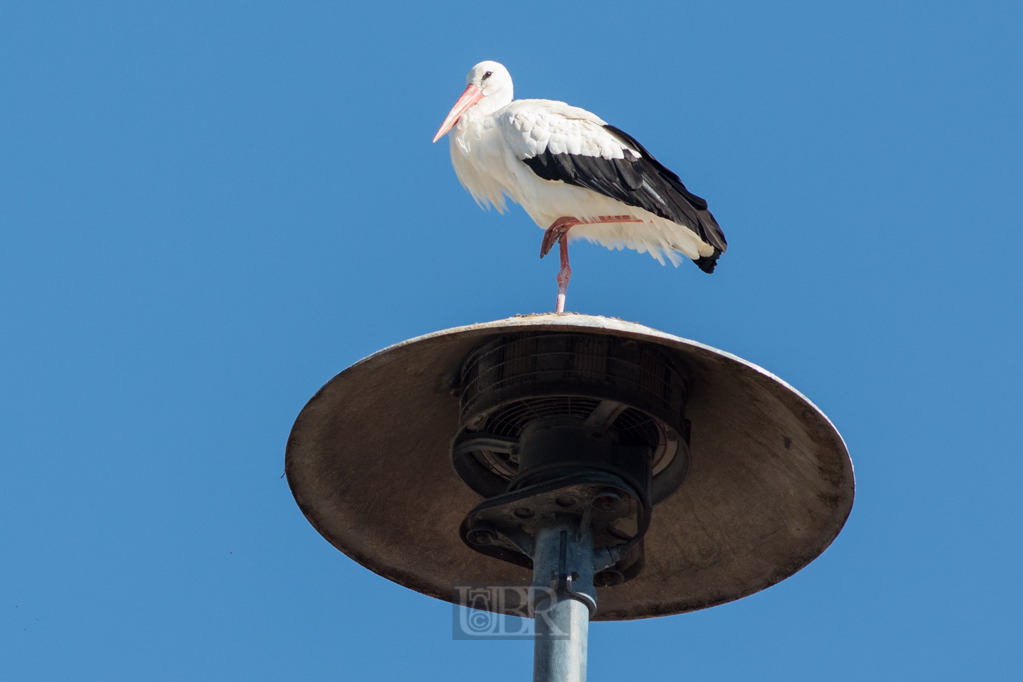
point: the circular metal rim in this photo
(400, 565)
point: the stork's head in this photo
(488, 88)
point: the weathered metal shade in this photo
(769, 483)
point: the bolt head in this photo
(481, 536)
(524, 513)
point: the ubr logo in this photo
(501, 611)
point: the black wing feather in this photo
(644, 183)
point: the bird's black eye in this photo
(487, 75)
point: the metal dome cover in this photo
(770, 482)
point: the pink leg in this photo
(564, 274)
(558, 232)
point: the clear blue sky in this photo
(206, 212)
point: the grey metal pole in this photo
(563, 601)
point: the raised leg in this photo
(562, 225)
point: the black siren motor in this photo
(576, 426)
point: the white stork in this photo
(575, 175)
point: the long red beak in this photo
(469, 98)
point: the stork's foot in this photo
(556, 233)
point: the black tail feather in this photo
(708, 263)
